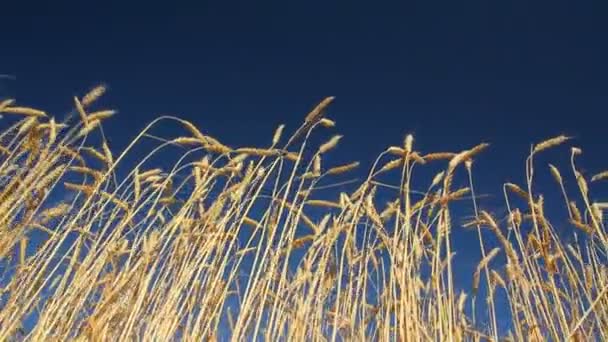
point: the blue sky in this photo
(452, 73)
(510, 73)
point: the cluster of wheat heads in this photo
(239, 243)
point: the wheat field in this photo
(261, 243)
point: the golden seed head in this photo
(408, 142)
(600, 176)
(277, 135)
(94, 94)
(330, 144)
(342, 169)
(327, 123)
(550, 143)
(319, 110)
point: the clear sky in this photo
(454, 73)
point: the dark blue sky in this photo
(453, 73)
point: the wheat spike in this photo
(455, 195)
(323, 203)
(319, 110)
(119, 203)
(489, 220)
(600, 176)
(87, 171)
(468, 154)
(51, 213)
(396, 151)
(96, 154)
(6, 103)
(291, 156)
(556, 175)
(91, 125)
(517, 190)
(25, 111)
(439, 156)
(461, 301)
(316, 165)
(145, 176)
(438, 177)
(107, 153)
(101, 115)
(250, 221)
(417, 158)
(330, 144)
(194, 131)
(53, 130)
(258, 152)
(343, 169)
(550, 143)
(498, 279)
(218, 148)
(27, 124)
(22, 250)
(93, 95)
(81, 111)
(86, 189)
(299, 242)
(393, 164)
(408, 142)
(482, 264)
(137, 185)
(277, 135)
(515, 217)
(187, 141)
(582, 183)
(327, 123)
